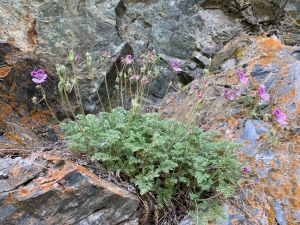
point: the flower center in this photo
(39, 76)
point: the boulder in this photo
(47, 189)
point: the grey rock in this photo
(296, 53)
(48, 190)
(202, 60)
(279, 214)
(228, 64)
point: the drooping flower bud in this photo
(60, 86)
(34, 100)
(68, 87)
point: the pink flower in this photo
(106, 54)
(262, 93)
(229, 95)
(128, 59)
(144, 80)
(174, 66)
(38, 76)
(77, 58)
(246, 169)
(150, 56)
(237, 91)
(134, 77)
(279, 116)
(242, 78)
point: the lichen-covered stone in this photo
(43, 189)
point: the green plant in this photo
(164, 157)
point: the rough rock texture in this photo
(189, 31)
(44, 189)
(271, 194)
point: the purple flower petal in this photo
(262, 93)
(237, 92)
(279, 116)
(174, 66)
(40, 71)
(38, 76)
(244, 80)
(33, 73)
(228, 95)
(173, 63)
(38, 81)
(265, 96)
(77, 58)
(177, 69)
(246, 169)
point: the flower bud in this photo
(89, 60)
(63, 43)
(117, 80)
(144, 80)
(209, 62)
(77, 58)
(129, 71)
(69, 32)
(60, 86)
(205, 72)
(117, 87)
(71, 55)
(34, 100)
(68, 87)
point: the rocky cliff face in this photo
(188, 31)
(45, 189)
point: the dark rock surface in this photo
(45, 189)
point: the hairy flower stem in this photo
(73, 114)
(106, 87)
(44, 97)
(65, 109)
(77, 91)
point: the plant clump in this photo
(164, 157)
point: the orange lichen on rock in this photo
(269, 47)
(4, 71)
(9, 198)
(295, 202)
(24, 192)
(16, 215)
(271, 217)
(13, 86)
(37, 116)
(14, 138)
